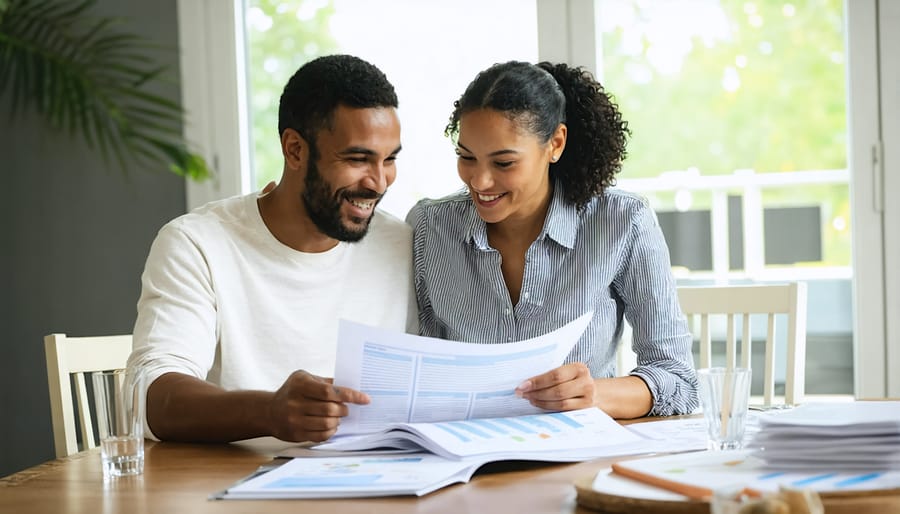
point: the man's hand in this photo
(269, 187)
(309, 408)
(567, 387)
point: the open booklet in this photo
(352, 477)
(440, 410)
(559, 436)
(455, 450)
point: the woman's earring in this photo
(554, 158)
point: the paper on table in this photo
(561, 436)
(349, 477)
(684, 434)
(845, 419)
(422, 379)
(698, 474)
(846, 436)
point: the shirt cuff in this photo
(668, 398)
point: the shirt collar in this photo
(476, 229)
(561, 223)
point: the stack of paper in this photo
(447, 453)
(417, 458)
(833, 436)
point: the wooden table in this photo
(178, 478)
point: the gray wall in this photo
(74, 235)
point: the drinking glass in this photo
(119, 401)
(725, 395)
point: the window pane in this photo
(738, 113)
(429, 50)
(736, 88)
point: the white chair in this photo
(78, 356)
(707, 302)
(731, 301)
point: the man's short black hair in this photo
(319, 86)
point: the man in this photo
(237, 320)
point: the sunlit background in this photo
(737, 110)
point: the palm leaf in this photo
(85, 76)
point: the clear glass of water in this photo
(724, 396)
(119, 400)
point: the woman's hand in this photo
(568, 387)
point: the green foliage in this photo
(787, 114)
(85, 76)
(785, 109)
(282, 36)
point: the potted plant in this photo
(84, 75)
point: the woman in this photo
(540, 238)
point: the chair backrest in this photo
(78, 357)
(702, 302)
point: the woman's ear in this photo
(558, 142)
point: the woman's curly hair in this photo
(539, 98)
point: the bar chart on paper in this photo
(555, 436)
(348, 477)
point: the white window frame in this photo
(214, 94)
(874, 109)
(889, 31)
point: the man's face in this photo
(356, 165)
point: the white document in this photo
(835, 436)
(684, 434)
(413, 379)
(353, 477)
(842, 419)
(739, 468)
(557, 436)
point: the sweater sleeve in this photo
(176, 323)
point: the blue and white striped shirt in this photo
(611, 258)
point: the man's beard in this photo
(324, 207)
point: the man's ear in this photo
(294, 149)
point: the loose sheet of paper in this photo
(349, 477)
(422, 379)
(684, 434)
(738, 468)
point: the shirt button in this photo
(525, 295)
(508, 312)
(508, 339)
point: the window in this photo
(211, 37)
(430, 51)
(738, 113)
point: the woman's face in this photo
(505, 166)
